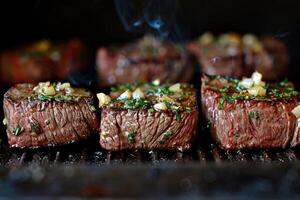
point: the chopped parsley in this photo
(188, 109)
(35, 127)
(18, 130)
(131, 137)
(136, 103)
(177, 115)
(151, 110)
(254, 115)
(165, 136)
(175, 101)
(233, 91)
(66, 98)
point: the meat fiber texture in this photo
(123, 129)
(272, 125)
(144, 60)
(56, 122)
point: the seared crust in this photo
(233, 127)
(57, 122)
(149, 129)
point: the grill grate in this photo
(86, 154)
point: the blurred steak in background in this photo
(41, 61)
(231, 54)
(144, 60)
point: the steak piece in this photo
(239, 118)
(163, 118)
(144, 60)
(41, 61)
(233, 55)
(35, 119)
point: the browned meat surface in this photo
(140, 124)
(144, 60)
(35, 121)
(239, 122)
(233, 55)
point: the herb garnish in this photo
(165, 137)
(233, 91)
(131, 137)
(18, 130)
(177, 115)
(254, 115)
(65, 98)
(153, 94)
(136, 103)
(34, 127)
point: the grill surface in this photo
(89, 152)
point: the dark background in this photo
(97, 21)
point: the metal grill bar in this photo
(98, 156)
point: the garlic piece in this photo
(160, 106)
(246, 83)
(156, 82)
(256, 77)
(206, 39)
(64, 86)
(4, 121)
(49, 91)
(296, 111)
(138, 94)
(125, 95)
(175, 88)
(69, 90)
(104, 133)
(103, 99)
(257, 91)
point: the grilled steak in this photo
(48, 115)
(250, 114)
(148, 117)
(143, 60)
(233, 55)
(41, 61)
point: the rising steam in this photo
(157, 15)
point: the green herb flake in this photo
(165, 136)
(114, 89)
(35, 127)
(221, 103)
(189, 109)
(131, 137)
(18, 130)
(254, 115)
(151, 110)
(92, 108)
(44, 98)
(177, 115)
